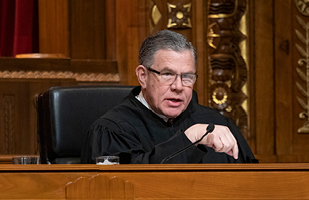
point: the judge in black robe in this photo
(138, 130)
(137, 135)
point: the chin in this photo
(172, 114)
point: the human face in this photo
(169, 100)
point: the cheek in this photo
(159, 93)
(154, 92)
(156, 89)
(188, 97)
(158, 96)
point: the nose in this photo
(177, 84)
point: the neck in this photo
(141, 98)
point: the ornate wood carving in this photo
(302, 7)
(99, 187)
(179, 15)
(9, 123)
(303, 50)
(170, 14)
(228, 69)
(87, 77)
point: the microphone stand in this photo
(209, 129)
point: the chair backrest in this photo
(66, 113)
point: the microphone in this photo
(209, 129)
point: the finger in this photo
(230, 143)
(227, 143)
(235, 151)
(217, 144)
(230, 153)
(222, 142)
(232, 150)
(215, 141)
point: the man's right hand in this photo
(220, 139)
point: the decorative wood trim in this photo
(80, 77)
(302, 47)
(227, 66)
(9, 120)
(179, 15)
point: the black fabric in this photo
(137, 135)
(66, 113)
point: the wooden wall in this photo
(98, 41)
(278, 80)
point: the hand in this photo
(221, 139)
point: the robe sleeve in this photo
(100, 141)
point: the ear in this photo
(141, 75)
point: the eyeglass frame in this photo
(174, 74)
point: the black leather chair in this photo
(66, 113)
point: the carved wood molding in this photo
(227, 67)
(99, 187)
(9, 123)
(170, 14)
(81, 77)
(302, 69)
(179, 15)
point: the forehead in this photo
(169, 59)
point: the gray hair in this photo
(163, 40)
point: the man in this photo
(140, 129)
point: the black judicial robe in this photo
(137, 135)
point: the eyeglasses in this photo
(187, 79)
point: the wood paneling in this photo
(199, 35)
(18, 113)
(87, 29)
(32, 64)
(23, 79)
(283, 69)
(229, 181)
(54, 27)
(130, 31)
(262, 63)
(292, 91)
(274, 59)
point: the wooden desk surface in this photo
(202, 181)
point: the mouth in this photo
(174, 102)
